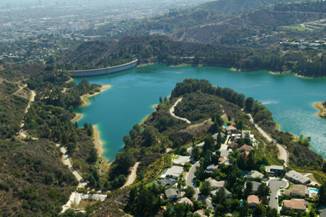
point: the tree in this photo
(219, 197)
(205, 188)
(208, 144)
(322, 195)
(144, 201)
(217, 124)
(249, 105)
(239, 124)
(149, 136)
(178, 210)
(92, 157)
(248, 189)
(189, 192)
(259, 211)
(71, 148)
(195, 154)
(263, 192)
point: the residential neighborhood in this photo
(274, 187)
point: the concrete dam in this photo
(104, 71)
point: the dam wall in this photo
(104, 71)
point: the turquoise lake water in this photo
(134, 93)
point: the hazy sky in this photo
(53, 2)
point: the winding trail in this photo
(132, 176)
(22, 134)
(282, 152)
(172, 110)
(75, 197)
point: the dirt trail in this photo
(132, 176)
(172, 110)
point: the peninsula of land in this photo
(85, 98)
(321, 106)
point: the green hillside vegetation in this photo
(33, 180)
(12, 108)
(161, 49)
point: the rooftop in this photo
(296, 204)
(255, 175)
(255, 185)
(297, 177)
(215, 184)
(171, 193)
(253, 199)
(185, 200)
(245, 148)
(297, 190)
(174, 171)
(274, 167)
(181, 160)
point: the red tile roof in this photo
(296, 204)
(253, 199)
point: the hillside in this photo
(210, 12)
(254, 27)
(277, 36)
(33, 181)
(207, 112)
(36, 111)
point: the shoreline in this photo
(97, 140)
(78, 116)
(85, 99)
(103, 163)
(321, 109)
(145, 64)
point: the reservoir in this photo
(134, 93)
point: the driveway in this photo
(275, 186)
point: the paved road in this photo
(190, 178)
(275, 186)
(282, 152)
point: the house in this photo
(181, 160)
(246, 149)
(296, 177)
(200, 213)
(255, 186)
(248, 134)
(171, 175)
(215, 184)
(295, 204)
(208, 202)
(185, 200)
(227, 193)
(253, 174)
(233, 145)
(211, 168)
(299, 191)
(274, 170)
(172, 172)
(172, 193)
(167, 181)
(231, 129)
(253, 200)
(223, 160)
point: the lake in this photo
(134, 93)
